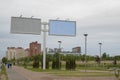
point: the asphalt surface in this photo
(13, 75)
(19, 73)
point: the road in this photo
(19, 73)
(13, 75)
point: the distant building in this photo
(56, 50)
(19, 52)
(27, 52)
(51, 50)
(34, 48)
(76, 50)
(15, 53)
(10, 53)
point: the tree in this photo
(70, 62)
(4, 60)
(98, 59)
(83, 57)
(105, 56)
(36, 61)
(115, 61)
(56, 62)
(26, 61)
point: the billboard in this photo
(22, 25)
(62, 28)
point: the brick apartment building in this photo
(34, 48)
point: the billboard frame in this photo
(17, 32)
(61, 35)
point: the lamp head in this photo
(85, 34)
(100, 43)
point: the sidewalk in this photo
(13, 75)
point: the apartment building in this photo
(15, 53)
(34, 48)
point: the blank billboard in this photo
(62, 28)
(23, 25)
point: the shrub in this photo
(36, 64)
(70, 62)
(56, 63)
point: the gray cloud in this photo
(99, 18)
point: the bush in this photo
(4, 60)
(36, 64)
(36, 61)
(70, 62)
(56, 63)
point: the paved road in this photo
(13, 75)
(19, 73)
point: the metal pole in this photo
(59, 45)
(100, 51)
(85, 50)
(59, 51)
(44, 45)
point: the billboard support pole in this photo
(44, 44)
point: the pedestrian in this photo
(8, 65)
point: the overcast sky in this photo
(100, 19)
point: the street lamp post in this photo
(85, 50)
(59, 45)
(100, 51)
(59, 51)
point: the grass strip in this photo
(74, 73)
(3, 71)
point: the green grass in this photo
(77, 73)
(71, 73)
(3, 71)
(82, 74)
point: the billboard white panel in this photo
(62, 28)
(23, 25)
